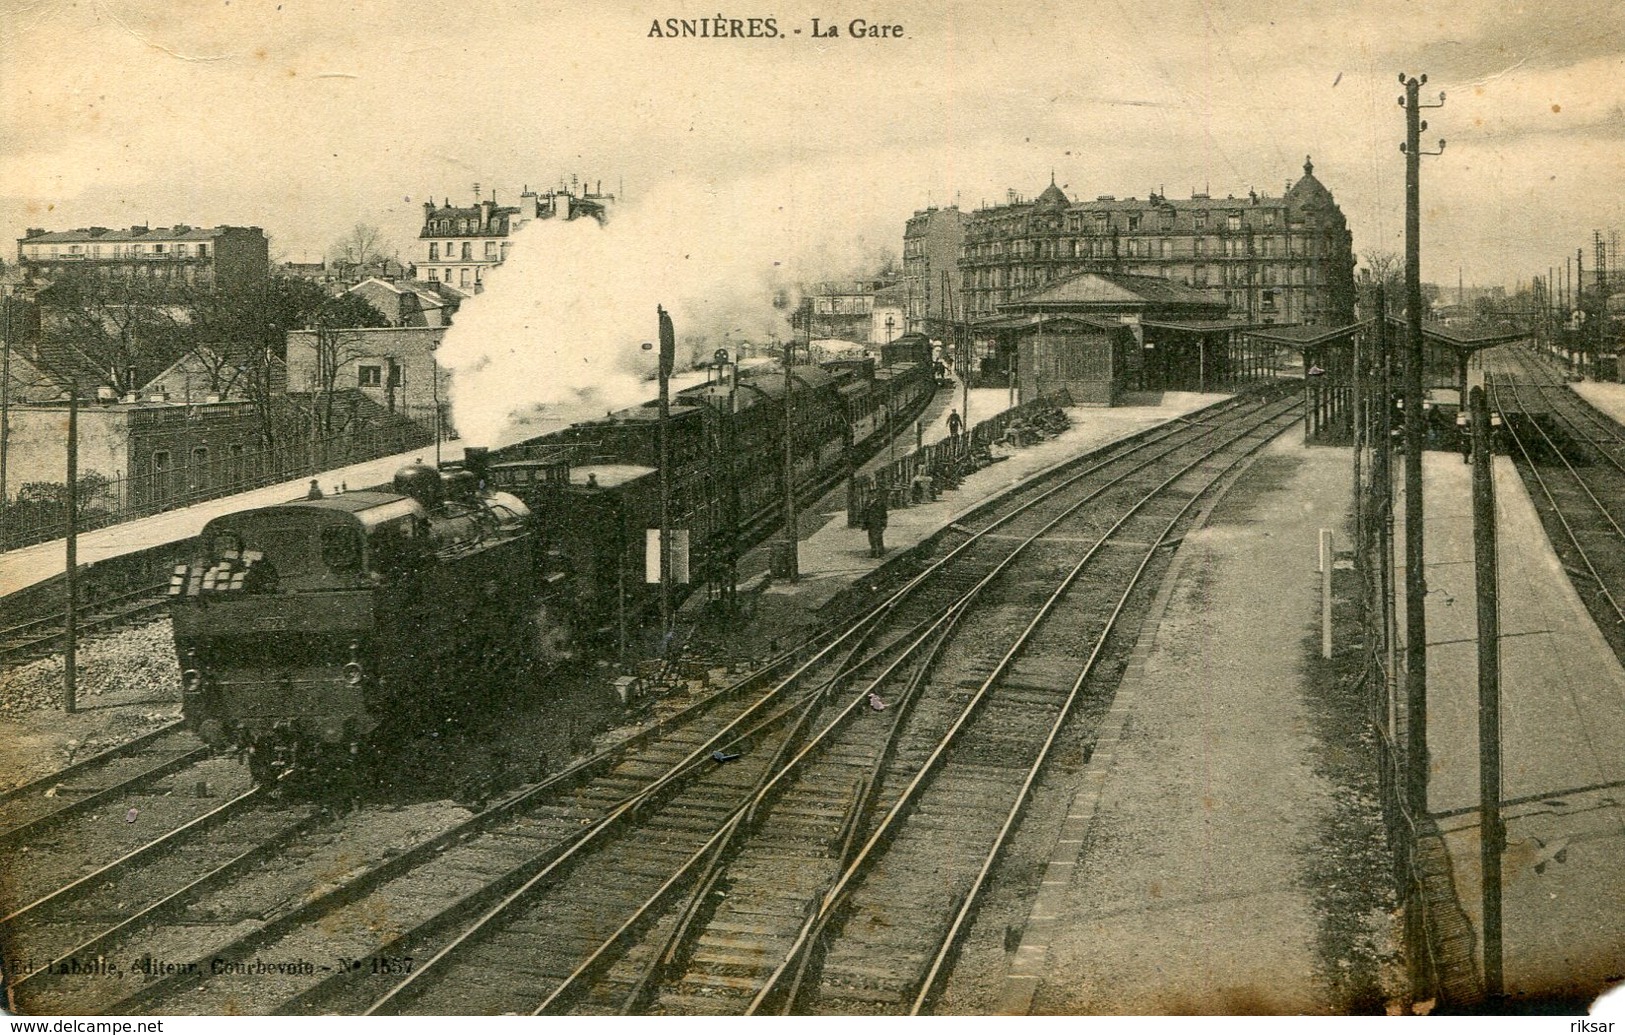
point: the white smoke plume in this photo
(557, 334)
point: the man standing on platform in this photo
(956, 424)
(874, 520)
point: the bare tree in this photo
(365, 245)
(1386, 268)
(336, 325)
(126, 329)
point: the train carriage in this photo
(319, 627)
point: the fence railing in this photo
(948, 458)
(42, 515)
(1437, 936)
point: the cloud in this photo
(307, 118)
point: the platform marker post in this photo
(1326, 556)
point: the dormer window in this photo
(1233, 221)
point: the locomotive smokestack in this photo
(477, 459)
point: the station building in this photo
(1098, 337)
(1266, 260)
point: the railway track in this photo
(44, 635)
(618, 865)
(29, 810)
(932, 687)
(1572, 460)
(267, 885)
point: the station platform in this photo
(31, 565)
(1563, 739)
(1192, 873)
(1604, 395)
(832, 555)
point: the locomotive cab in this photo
(305, 627)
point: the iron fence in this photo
(39, 513)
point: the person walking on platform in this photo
(956, 424)
(874, 521)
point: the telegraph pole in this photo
(1579, 307)
(1492, 834)
(5, 412)
(792, 536)
(962, 341)
(1416, 657)
(668, 357)
(70, 626)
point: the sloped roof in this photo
(140, 233)
(1053, 196)
(1046, 321)
(1474, 335)
(1308, 189)
(1199, 326)
(1114, 289)
(30, 383)
(1306, 335)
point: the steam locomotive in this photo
(304, 628)
(311, 630)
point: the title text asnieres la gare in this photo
(722, 27)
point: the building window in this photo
(1267, 302)
(160, 461)
(434, 250)
(468, 250)
(490, 249)
(1201, 246)
(203, 251)
(463, 278)
(1233, 221)
(370, 376)
(1134, 221)
(1102, 222)
(1201, 220)
(1269, 219)
(1167, 248)
(434, 275)
(447, 277)
(1199, 276)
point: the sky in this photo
(306, 118)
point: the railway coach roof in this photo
(608, 476)
(646, 413)
(370, 508)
